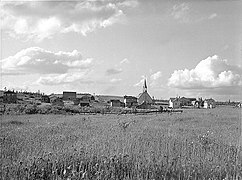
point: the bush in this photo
(31, 109)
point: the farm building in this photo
(85, 97)
(209, 103)
(174, 103)
(198, 103)
(144, 98)
(1, 96)
(45, 99)
(187, 101)
(130, 101)
(161, 103)
(10, 97)
(116, 103)
(67, 95)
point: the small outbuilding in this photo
(45, 99)
(174, 103)
(115, 103)
(130, 101)
(9, 97)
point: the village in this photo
(143, 101)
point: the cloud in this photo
(113, 71)
(39, 20)
(141, 82)
(212, 16)
(155, 79)
(124, 61)
(35, 60)
(114, 80)
(180, 12)
(67, 78)
(210, 73)
(184, 13)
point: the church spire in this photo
(145, 86)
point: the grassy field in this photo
(195, 144)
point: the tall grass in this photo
(104, 147)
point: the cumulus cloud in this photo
(42, 19)
(41, 61)
(212, 72)
(113, 71)
(66, 78)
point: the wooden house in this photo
(10, 97)
(209, 103)
(130, 101)
(174, 103)
(116, 103)
(45, 99)
(187, 101)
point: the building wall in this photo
(145, 97)
(10, 98)
(69, 95)
(174, 104)
(115, 103)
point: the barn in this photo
(67, 95)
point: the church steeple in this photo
(145, 86)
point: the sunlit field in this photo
(195, 144)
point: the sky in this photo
(183, 48)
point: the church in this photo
(144, 99)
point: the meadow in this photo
(195, 144)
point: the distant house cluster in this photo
(184, 102)
(71, 98)
(142, 101)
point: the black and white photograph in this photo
(121, 90)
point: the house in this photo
(45, 99)
(161, 103)
(209, 103)
(144, 98)
(187, 101)
(10, 97)
(130, 101)
(116, 103)
(67, 95)
(1, 96)
(85, 97)
(174, 103)
(198, 103)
